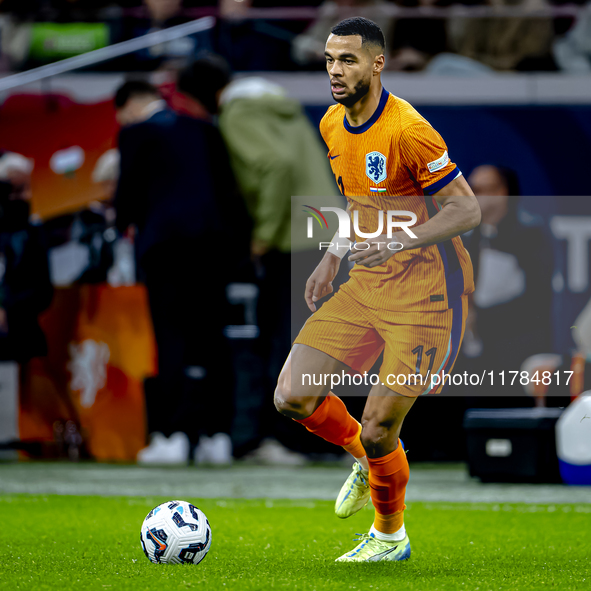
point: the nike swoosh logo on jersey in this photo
(377, 557)
(333, 157)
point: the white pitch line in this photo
(251, 482)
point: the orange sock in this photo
(388, 477)
(355, 448)
(332, 422)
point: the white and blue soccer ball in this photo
(176, 532)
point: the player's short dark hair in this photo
(204, 78)
(134, 89)
(370, 33)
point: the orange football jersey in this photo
(396, 161)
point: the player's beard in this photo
(360, 90)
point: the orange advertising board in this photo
(101, 347)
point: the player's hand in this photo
(380, 249)
(319, 284)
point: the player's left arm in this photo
(424, 153)
(459, 213)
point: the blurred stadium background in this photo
(506, 83)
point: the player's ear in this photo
(378, 64)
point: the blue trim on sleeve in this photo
(372, 119)
(442, 182)
(457, 322)
(454, 276)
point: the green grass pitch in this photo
(77, 542)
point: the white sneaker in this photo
(354, 494)
(370, 549)
(162, 450)
(273, 453)
(216, 450)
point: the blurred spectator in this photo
(106, 173)
(86, 247)
(36, 33)
(258, 44)
(275, 154)
(176, 186)
(80, 245)
(232, 9)
(158, 15)
(414, 41)
(71, 10)
(93, 232)
(308, 48)
(93, 239)
(25, 289)
(504, 43)
(510, 311)
(15, 40)
(573, 51)
(163, 11)
(581, 331)
(121, 271)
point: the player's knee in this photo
(290, 406)
(282, 394)
(289, 403)
(377, 437)
(285, 403)
(281, 399)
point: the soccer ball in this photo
(175, 532)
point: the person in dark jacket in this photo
(25, 290)
(510, 311)
(177, 188)
(153, 16)
(25, 287)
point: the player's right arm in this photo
(319, 284)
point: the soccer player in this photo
(410, 303)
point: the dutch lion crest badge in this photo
(375, 166)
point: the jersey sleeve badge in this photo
(439, 163)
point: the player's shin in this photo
(388, 477)
(332, 422)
